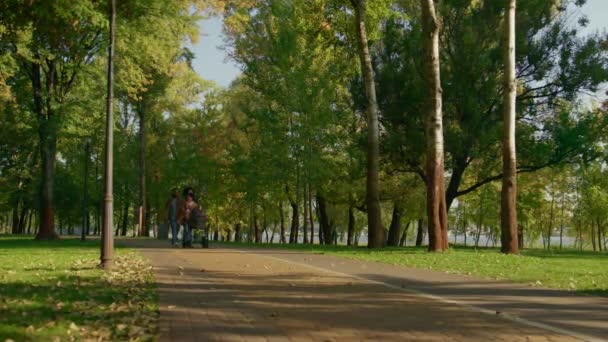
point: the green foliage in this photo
(555, 67)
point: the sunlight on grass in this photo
(571, 270)
(52, 290)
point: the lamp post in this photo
(85, 200)
(107, 237)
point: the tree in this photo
(551, 129)
(374, 213)
(52, 59)
(508, 208)
(436, 205)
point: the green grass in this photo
(53, 291)
(584, 272)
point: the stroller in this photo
(198, 224)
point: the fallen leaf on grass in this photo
(135, 330)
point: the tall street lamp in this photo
(107, 238)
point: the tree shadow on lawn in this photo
(51, 305)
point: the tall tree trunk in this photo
(264, 223)
(318, 213)
(142, 170)
(394, 232)
(29, 221)
(464, 223)
(273, 233)
(125, 219)
(419, 234)
(282, 218)
(99, 206)
(593, 235)
(351, 226)
(324, 224)
(15, 216)
(508, 207)
(480, 219)
(580, 237)
(403, 239)
(305, 215)
(435, 187)
(256, 229)
(310, 216)
(599, 236)
(376, 234)
(22, 217)
(237, 232)
(295, 223)
(520, 237)
(47, 132)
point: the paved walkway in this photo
(224, 294)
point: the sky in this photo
(212, 63)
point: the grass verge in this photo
(580, 271)
(53, 291)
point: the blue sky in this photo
(212, 63)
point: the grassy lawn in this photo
(585, 272)
(53, 291)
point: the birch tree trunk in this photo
(508, 212)
(435, 187)
(374, 220)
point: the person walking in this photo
(172, 208)
(188, 206)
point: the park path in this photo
(226, 294)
